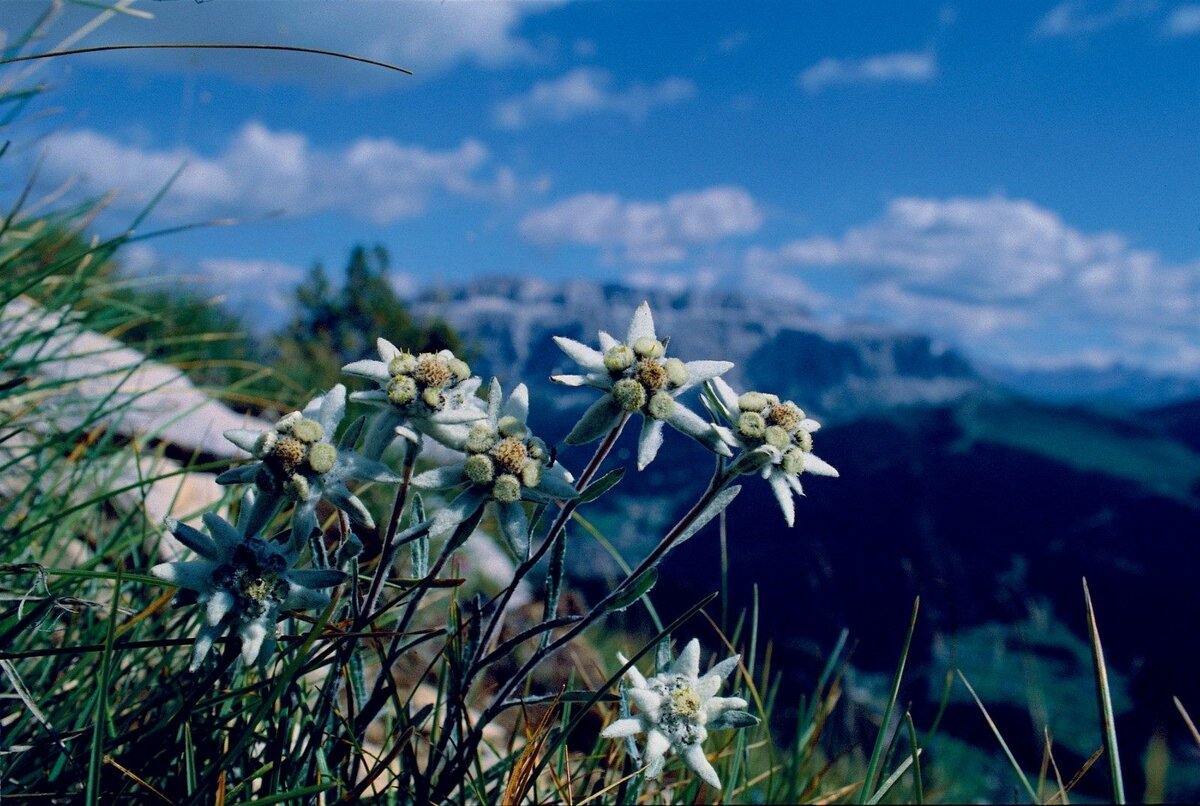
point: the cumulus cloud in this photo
(1076, 18)
(915, 67)
(427, 37)
(262, 171)
(588, 91)
(642, 231)
(1183, 21)
(976, 268)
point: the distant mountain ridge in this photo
(836, 372)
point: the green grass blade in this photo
(893, 779)
(1003, 744)
(1105, 696)
(918, 784)
(876, 754)
(96, 762)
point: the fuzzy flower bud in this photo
(537, 448)
(804, 440)
(480, 438)
(677, 372)
(307, 430)
(401, 390)
(751, 424)
(480, 469)
(629, 394)
(507, 489)
(510, 454)
(431, 370)
(646, 347)
(619, 358)
(661, 406)
(296, 487)
(752, 401)
(321, 457)
(403, 364)
(651, 374)
(777, 436)
(459, 369)
(433, 397)
(793, 461)
(510, 426)
(787, 415)
(531, 474)
(265, 443)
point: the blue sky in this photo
(1019, 179)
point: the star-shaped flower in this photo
(243, 582)
(430, 393)
(505, 463)
(299, 461)
(638, 378)
(775, 437)
(677, 708)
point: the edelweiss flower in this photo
(299, 461)
(776, 438)
(243, 582)
(433, 393)
(637, 377)
(505, 463)
(678, 708)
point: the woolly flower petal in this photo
(340, 496)
(701, 371)
(517, 404)
(300, 597)
(252, 634)
(641, 325)
(694, 757)
(195, 575)
(224, 533)
(204, 643)
(783, 494)
(622, 728)
(239, 475)
(717, 705)
(688, 422)
(515, 526)
(657, 746)
(317, 577)
(725, 394)
(556, 487)
(243, 438)
(649, 441)
(600, 418)
(817, 466)
(635, 676)
(217, 607)
(581, 354)
(723, 669)
(333, 409)
(372, 370)
(457, 511)
(440, 478)
(688, 662)
(304, 521)
(387, 350)
(707, 686)
(360, 468)
(194, 539)
(607, 342)
(647, 702)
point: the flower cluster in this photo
(430, 393)
(638, 378)
(243, 582)
(297, 460)
(504, 463)
(677, 708)
(776, 437)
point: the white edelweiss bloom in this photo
(775, 438)
(430, 393)
(676, 710)
(637, 378)
(299, 461)
(243, 582)
(504, 463)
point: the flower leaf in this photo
(634, 591)
(601, 485)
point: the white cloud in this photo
(427, 37)
(913, 67)
(588, 91)
(645, 232)
(1076, 18)
(1183, 21)
(992, 271)
(262, 171)
(248, 285)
